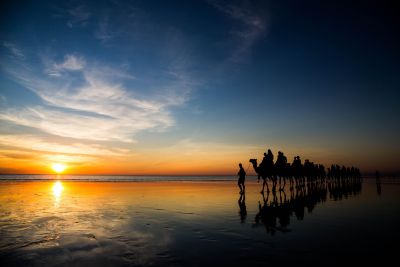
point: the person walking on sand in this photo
(242, 176)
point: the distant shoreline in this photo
(121, 178)
(152, 178)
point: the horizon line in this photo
(372, 173)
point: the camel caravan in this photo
(298, 174)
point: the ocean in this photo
(116, 178)
(194, 221)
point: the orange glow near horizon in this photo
(193, 160)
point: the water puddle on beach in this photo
(195, 224)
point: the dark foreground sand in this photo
(193, 224)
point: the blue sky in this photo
(91, 83)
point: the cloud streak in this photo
(77, 16)
(84, 102)
(71, 62)
(252, 27)
(37, 143)
(15, 51)
(104, 32)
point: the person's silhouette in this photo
(242, 176)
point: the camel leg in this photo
(266, 199)
(280, 183)
(274, 182)
(284, 183)
(264, 183)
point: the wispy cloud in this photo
(99, 108)
(71, 62)
(15, 51)
(252, 27)
(123, 20)
(104, 32)
(37, 143)
(76, 16)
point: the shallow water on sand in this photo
(194, 224)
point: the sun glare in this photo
(58, 167)
(57, 189)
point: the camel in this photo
(263, 174)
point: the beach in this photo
(192, 223)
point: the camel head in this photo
(254, 161)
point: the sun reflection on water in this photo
(57, 191)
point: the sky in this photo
(195, 87)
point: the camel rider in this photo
(264, 161)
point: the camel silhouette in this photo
(265, 174)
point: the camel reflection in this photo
(276, 209)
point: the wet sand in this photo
(192, 224)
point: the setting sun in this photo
(58, 167)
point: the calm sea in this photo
(148, 178)
(205, 222)
(115, 178)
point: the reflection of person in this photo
(242, 208)
(242, 176)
